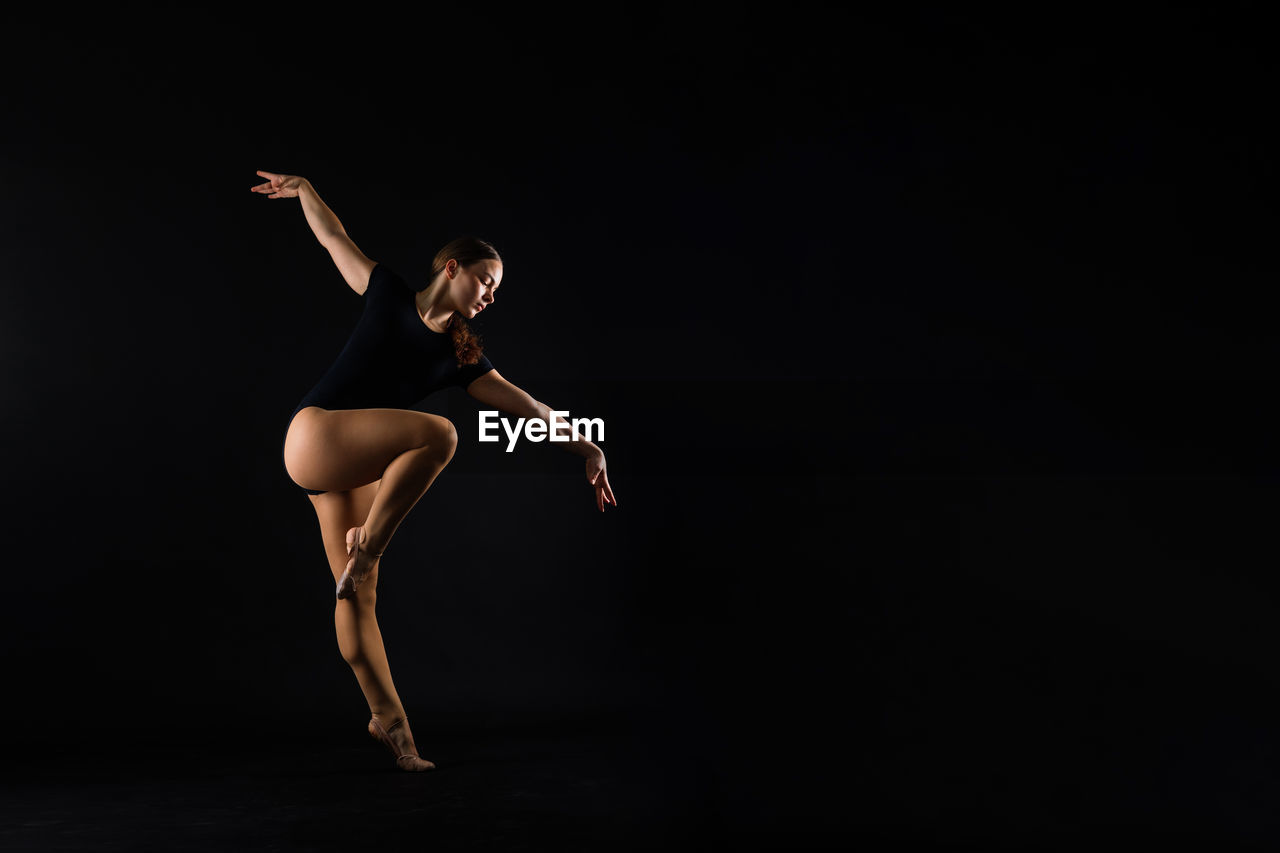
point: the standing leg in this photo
(355, 619)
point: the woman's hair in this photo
(466, 250)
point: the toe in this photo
(345, 587)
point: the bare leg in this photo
(345, 449)
(356, 622)
(359, 638)
(404, 482)
(360, 642)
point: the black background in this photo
(935, 355)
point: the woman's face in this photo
(473, 286)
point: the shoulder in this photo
(384, 278)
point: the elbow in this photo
(329, 239)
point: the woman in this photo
(363, 457)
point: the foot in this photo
(359, 566)
(399, 740)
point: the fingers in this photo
(269, 186)
(604, 495)
(275, 192)
(604, 492)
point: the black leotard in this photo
(391, 360)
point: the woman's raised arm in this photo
(351, 262)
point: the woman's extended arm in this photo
(351, 262)
(494, 390)
(322, 220)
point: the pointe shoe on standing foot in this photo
(359, 566)
(406, 753)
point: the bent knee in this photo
(447, 441)
(442, 438)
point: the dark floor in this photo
(504, 790)
(568, 786)
(575, 784)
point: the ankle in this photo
(391, 720)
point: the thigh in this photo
(337, 513)
(343, 449)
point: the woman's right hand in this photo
(279, 186)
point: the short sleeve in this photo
(468, 373)
(384, 281)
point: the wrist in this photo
(582, 447)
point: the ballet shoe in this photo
(347, 583)
(404, 760)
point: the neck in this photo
(432, 307)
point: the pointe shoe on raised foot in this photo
(347, 583)
(404, 760)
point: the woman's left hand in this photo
(597, 477)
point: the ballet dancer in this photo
(363, 457)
